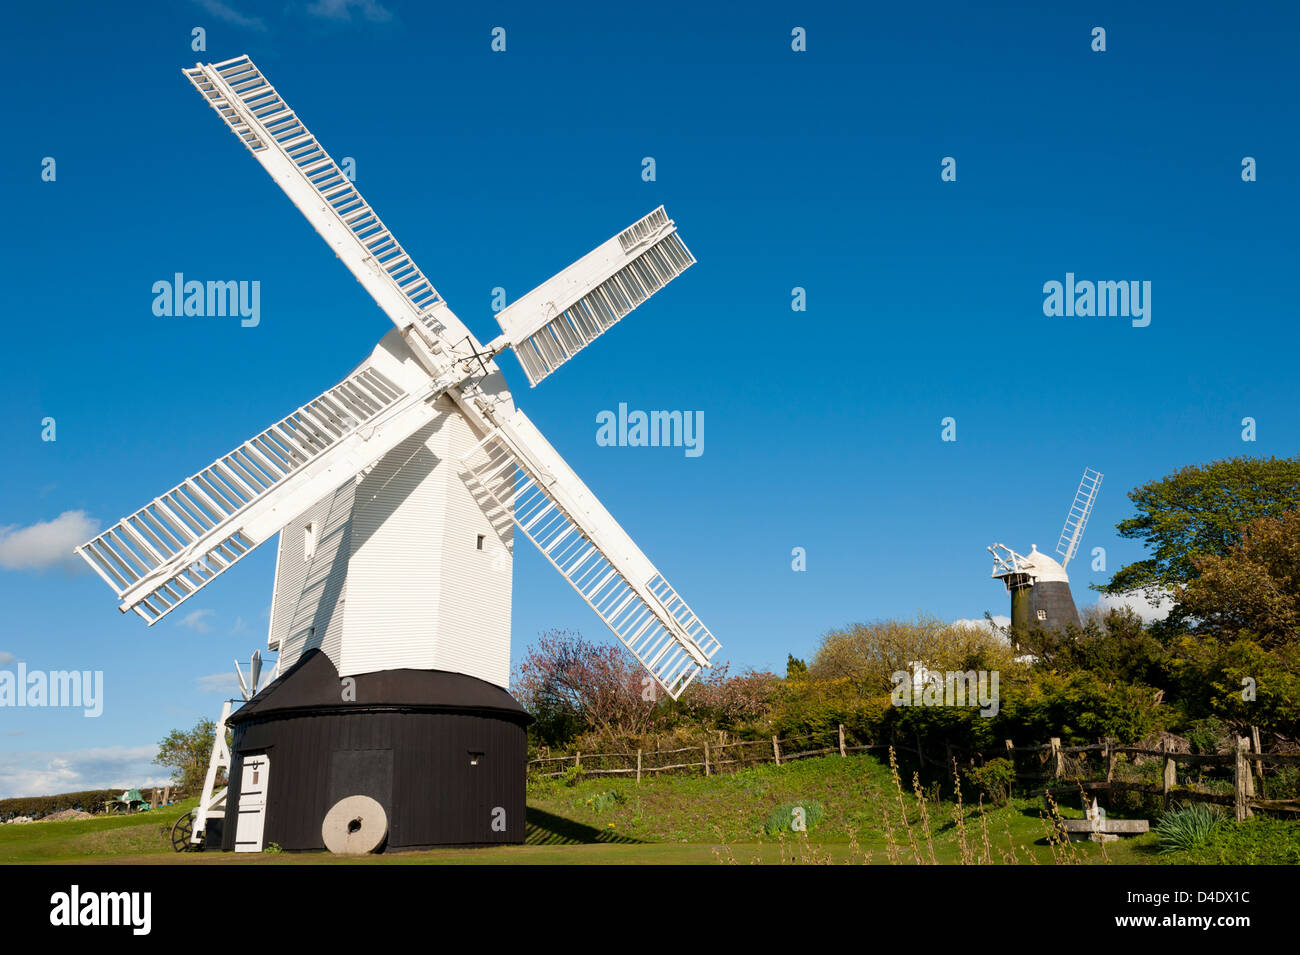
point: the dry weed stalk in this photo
(902, 806)
(925, 816)
(959, 817)
(984, 827)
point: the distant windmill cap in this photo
(1045, 567)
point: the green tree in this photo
(1255, 588)
(795, 669)
(1200, 511)
(186, 753)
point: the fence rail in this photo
(709, 757)
(1247, 770)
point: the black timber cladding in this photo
(443, 753)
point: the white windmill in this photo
(394, 492)
(1038, 585)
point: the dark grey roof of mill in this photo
(313, 684)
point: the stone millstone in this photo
(356, 825)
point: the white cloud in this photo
(197, 620)
(218, 683)
(6, 658)
(342, 10)
(108, 767)
(46, 544)
(1149, 610)
(229, 14)
(998, 619)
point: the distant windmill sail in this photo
(1077, 518)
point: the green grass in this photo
(730, 810)
(91, 840)
(691, 820)
(1257, 841)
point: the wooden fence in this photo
(1247, 765)
(710, 757)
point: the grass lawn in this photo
(674, 820)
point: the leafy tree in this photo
(717, 700)
(187, 753)
(795, 669)
(867, 655)
(1198, 512)
(570, 685)
(1114, 644)
(1253, 589)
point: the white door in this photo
(252, 804)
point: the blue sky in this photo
(818, 169)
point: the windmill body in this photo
(1037, 583)
(398, 495)
(400, 566)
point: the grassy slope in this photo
(664, 820)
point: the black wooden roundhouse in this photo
(442, 753)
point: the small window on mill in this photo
(481, 539)
(1042, 615)
(309, 540)
(475, 758)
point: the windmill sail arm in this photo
(568, 311)
(167, 551)
(327, 197)
(1076, 520)
(523, 475)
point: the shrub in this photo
(1187, 827)
(781, 819)
(994, 779)
(599, 802)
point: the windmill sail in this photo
(1076, 521)
(566, 313)
(528, 479)
(279, 141)
(179, 542)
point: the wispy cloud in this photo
(108, 767)
(1149, 610)
(229, 14)
(197, 620)
(218, 683)
(343, 10)
(983, 624)
(46, 544)
(6, 658)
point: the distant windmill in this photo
(1038, 585)
(394, 494)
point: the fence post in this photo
(1170, 780)
(842, 753)
(1058, 759)
(1242, 780)
(1110, 758)
(776, 751)
(638, 765)
(1250, 770)
(577, 761)
(706, 759)
(1258, 765)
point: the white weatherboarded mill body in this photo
(397, 494)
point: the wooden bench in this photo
(1100, 829)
